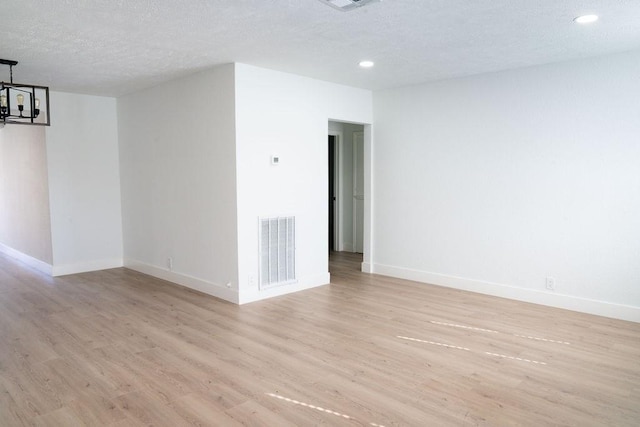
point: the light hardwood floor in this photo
(120, 348)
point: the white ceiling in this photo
(112, 47)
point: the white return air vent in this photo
(346, 5)
(277, 251)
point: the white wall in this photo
(25, 222)
(494, 182)
(177, 159)
(84, 184)
(287, 115)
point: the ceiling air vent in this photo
(346, 5)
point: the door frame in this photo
(355, 200)
(367, 234)
(338, 226)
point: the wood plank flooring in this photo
(118, 348)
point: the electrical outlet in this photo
(170, 263)
(252, 280)
(550, 284)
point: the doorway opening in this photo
(332, 193)
(346, 190)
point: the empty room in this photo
(320, 212)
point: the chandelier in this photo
(21, 103)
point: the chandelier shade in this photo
(23, 104)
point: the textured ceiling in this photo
(112, 47)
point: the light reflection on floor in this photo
(317, 408)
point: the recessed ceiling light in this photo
(366, 64)
(347, 5)
(586, 19)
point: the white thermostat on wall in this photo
(275, 160)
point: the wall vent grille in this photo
(277, 251)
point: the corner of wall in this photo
(254, 294)
(214, 289)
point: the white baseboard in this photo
(366, 267)
(252, 295)
(552, 299)
(27, 259)
(210, 288)
(102, 264)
